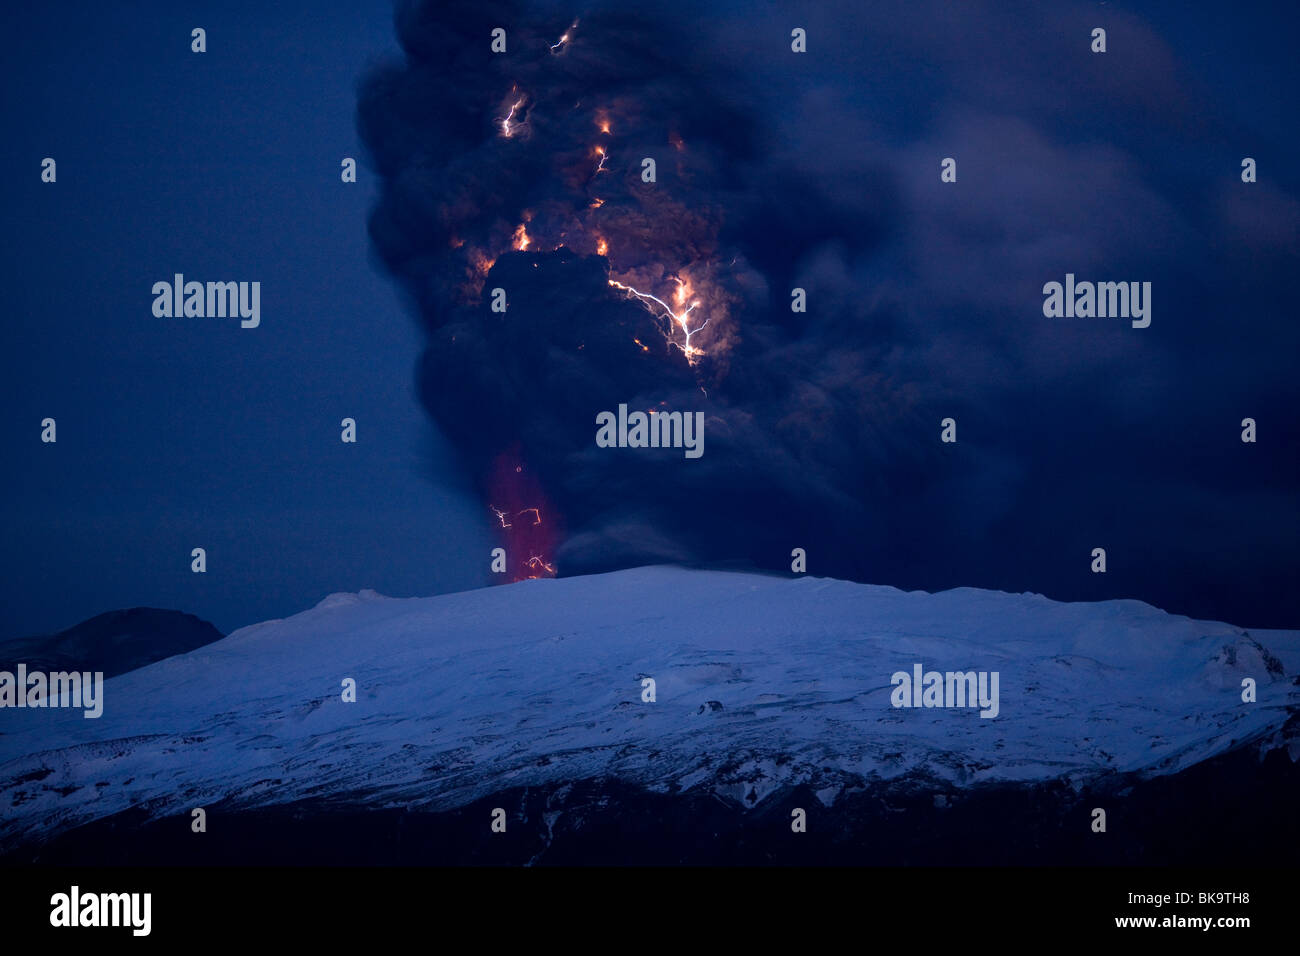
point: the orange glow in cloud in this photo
(678, 318)
(565, 37)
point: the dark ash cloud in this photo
(821, 171)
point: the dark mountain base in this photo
(1235, 810)
(114, 642)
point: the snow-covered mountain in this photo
(761, 684)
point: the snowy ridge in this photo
(539, 683)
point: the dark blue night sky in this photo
(178, 433)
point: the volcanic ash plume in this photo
(524, 171)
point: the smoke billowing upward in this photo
(523, 171)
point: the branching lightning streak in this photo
(679, 319)
(506, 130)
(536, 562)
(501, 516)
